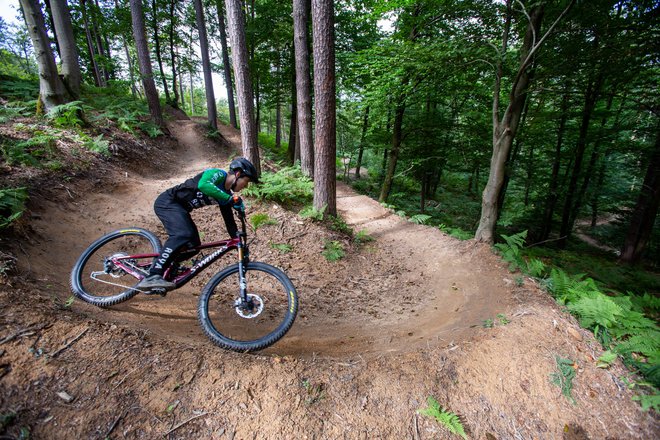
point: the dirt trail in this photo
(446, 295)
(396, 320)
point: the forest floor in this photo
(414, 313)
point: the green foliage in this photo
(67, 115)
(97, 144)
(19, 89)
(312, 213)
(362, 237)
(420, 219)
(456, 232)
(282, 247)
(446, 418)
(649, 401)
(502, 319)
(287, 186)
(16, 109)
(511, 253)
(615, 320)
(606, 359)
(333, 250)
(272, 152)
(261, 219)
(564, 376)
(338, 224)
(12, 205)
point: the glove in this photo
(238, 204)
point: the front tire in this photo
(275, 304)
(96, 281)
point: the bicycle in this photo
(232, 315)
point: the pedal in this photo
(157, 291)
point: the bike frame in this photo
(181, 279)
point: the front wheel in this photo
(269, 313)
(106, 272)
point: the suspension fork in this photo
(242, 266)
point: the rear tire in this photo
(229, 327)
(93, 281)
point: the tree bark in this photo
(173, 15)
(144, 62)
(504, 129)
(568, 214)
(646, 211)
(325, 184)
(365, 125)
(397, 137)
(98, 80)
(206, 64)
(226, 64)
(51, 89)
(159, 58)
(71, 75)
(236, 25)
(303, 85)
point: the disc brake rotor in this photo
(253, 308)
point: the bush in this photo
(12, 205)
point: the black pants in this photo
(180, 228)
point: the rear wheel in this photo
(269, 314)
(101, 274)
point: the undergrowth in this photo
(288, 186)
(625, 324)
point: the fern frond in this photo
(446, 418)
(646, 343)
(420, 219)
(596, 309)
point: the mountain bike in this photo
(246, 306)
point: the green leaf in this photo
(446, 418)
(606, 359)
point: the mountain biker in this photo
(173, 207)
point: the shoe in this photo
(153, 282)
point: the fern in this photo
(12, 205)
(420, 219)
(596, 309)
(333, 250)
(261, 219)
(510, 250)
(282, 247)
(288, 186)
(67, 115)
(649, 401)
(446, 418)
(564, 376)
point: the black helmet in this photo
(246, 167)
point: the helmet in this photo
(246, 167)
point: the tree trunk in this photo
(51, 89)
(226, 64)
(365, 125)
(397, 137)
(646, 210)
(172, 30)
(100, 50)
(236, 25)
(51, 20)
(325, 195)
(291, 152)
(192, 95)
(144, 63)
(551, 199)
(504, 129)
(568, 216)
(98, 81)
(71, 75)
(159, 58)
(303, 85)
(206, 64)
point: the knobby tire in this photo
(80, 282)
